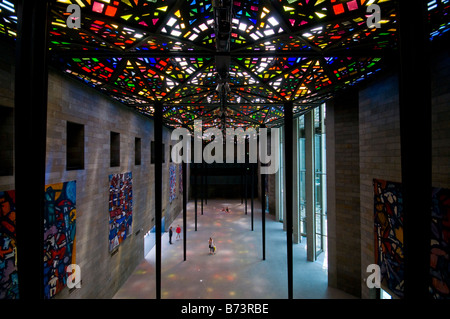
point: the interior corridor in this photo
(237, 270)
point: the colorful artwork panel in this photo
(59, 235)
(172, 182)
(388, 223)
(440, 244)
(120, 208)
(9, 285)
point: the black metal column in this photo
(206, 184)
(158, 119)
(245, 185)
(252, 167)
(195, 189)
(241, 185)
(263, 210)
(415, 110)
(202, 188)
(288, 160)
(30, 125)
(263, 214)
(184, 166)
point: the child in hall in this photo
(178, 231)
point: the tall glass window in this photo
(302, 174)
(320, 196)
(318, 226)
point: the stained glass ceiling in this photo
(232, 63)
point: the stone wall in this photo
(380, 158)
(440, 124)
(343, 170)
(102, 273)
(375, 126)
(380, 152)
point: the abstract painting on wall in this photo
(120, 208)
(59, 235)
(172, 182)
(440, 244)
(388, 222)
(9, 285)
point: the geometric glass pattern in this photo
(169, 54)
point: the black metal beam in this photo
(288, 191)
(415, 94)
(30, 125)
(348, 52)
(157, 125)
(223, 14)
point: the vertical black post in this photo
(288, 160)
(206, 183)
(195, 189)
(158, 119)
(252, 167)
(240, 186)
(245, 185)
(184, 167)
(202, 190)
(415, 94)
(263, 210)
(30, 125)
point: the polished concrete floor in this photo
(237, 270)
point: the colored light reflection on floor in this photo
(236, 271)
(172, 276)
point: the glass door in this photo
(320, 198)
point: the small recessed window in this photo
(137, 151)
(75, 146)
(6, 141)
(115, 149)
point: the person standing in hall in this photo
(211, 246)
(170, 235)
(178, 231)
